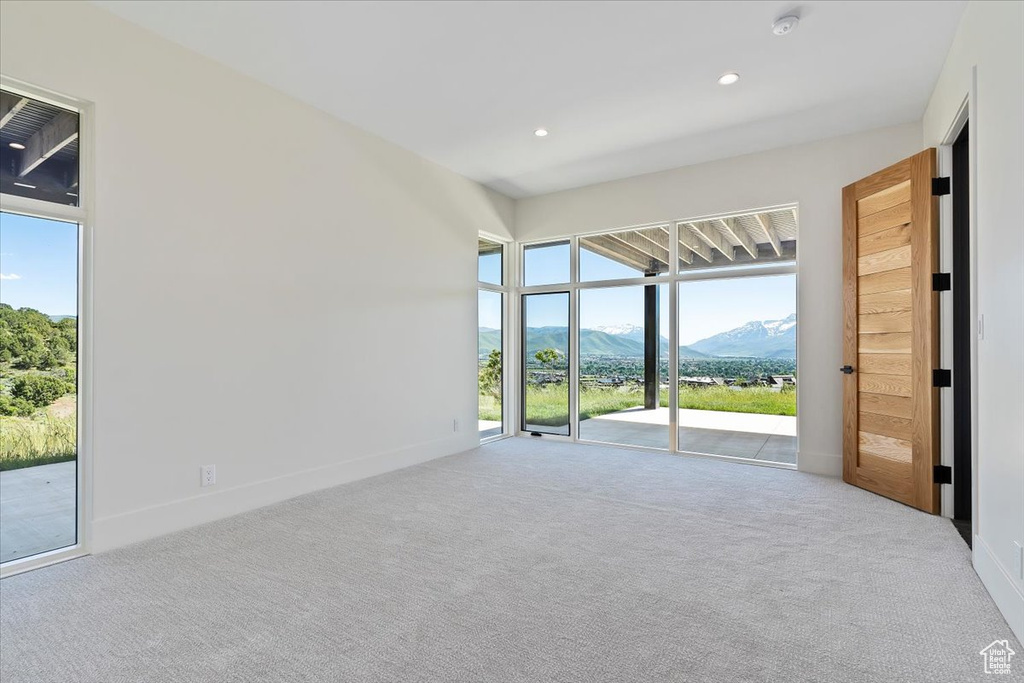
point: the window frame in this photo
(508, 348)
(671, 278)
(83, 216)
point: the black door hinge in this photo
(941, 282)
(942, 378)
(940, 186)
(942, 474)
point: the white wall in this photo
(259, 270)
(812, 175)
(989, 42)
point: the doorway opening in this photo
(960, 188)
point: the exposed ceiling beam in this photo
(10, 104)
(641, 242)
(739, 233)
(617, 251)
(57, 134)
(689, 238)
(765, 221)
(714, 238)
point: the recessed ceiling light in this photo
(541, 132)
(729, 78)
(16, 145)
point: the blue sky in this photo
(39, 264)
(705, 307)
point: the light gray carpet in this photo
(525, 560)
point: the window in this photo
(677, 336)
(755, 239)
(490, 370)
(491, 361)
(546, 363)
(39, 395)
(38, 150)
(737, 367)
(41, 249)
(623, 366)
(489, 262)
(546, 264)
(628, 254)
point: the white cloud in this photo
(12, 276)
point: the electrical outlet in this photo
(455, 425)
(207, 475)
(1018, 561)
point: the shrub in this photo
(40, 390)
(12, 407)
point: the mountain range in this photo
(755, 339)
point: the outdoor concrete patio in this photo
(743, 435)
(37, 510)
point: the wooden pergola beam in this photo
(739, 233)
(765, 221)
(711, 235)
(57, 134)
(10, 104)
(617, 251)
(690, 238)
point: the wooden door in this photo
(890, 340)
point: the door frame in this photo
(964, 114)
(84, 216)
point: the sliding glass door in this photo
(545, 361)
(38, 385)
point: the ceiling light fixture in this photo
(16, 145)
(785, 25)
(728, 78)
(541, 132)
(31, 187)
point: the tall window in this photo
(40, 228)
(679, 335)
(490, 338)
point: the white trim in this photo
(818, 463)
(83, 215)
(1000, 585)
(150, 522)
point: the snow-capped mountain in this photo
(756, 339)
(634, 332)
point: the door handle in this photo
(846, 369)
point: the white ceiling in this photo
(624, 87)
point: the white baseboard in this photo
(1003, 589)
(820, 463)
(138, 525)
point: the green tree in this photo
(546, 357)
(490, 375)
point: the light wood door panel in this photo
(883, 220)
(887, 281)
(890, 335)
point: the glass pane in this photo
(737, 367)
(546, 363)
(489, 363)
(38, 150)
(489, 263)
(623, 369)
(632, 253)
(764, 238)
(546, 264)
(38, 385)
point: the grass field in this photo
(40, 440)
(548, 404)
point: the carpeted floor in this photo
(525, 560)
